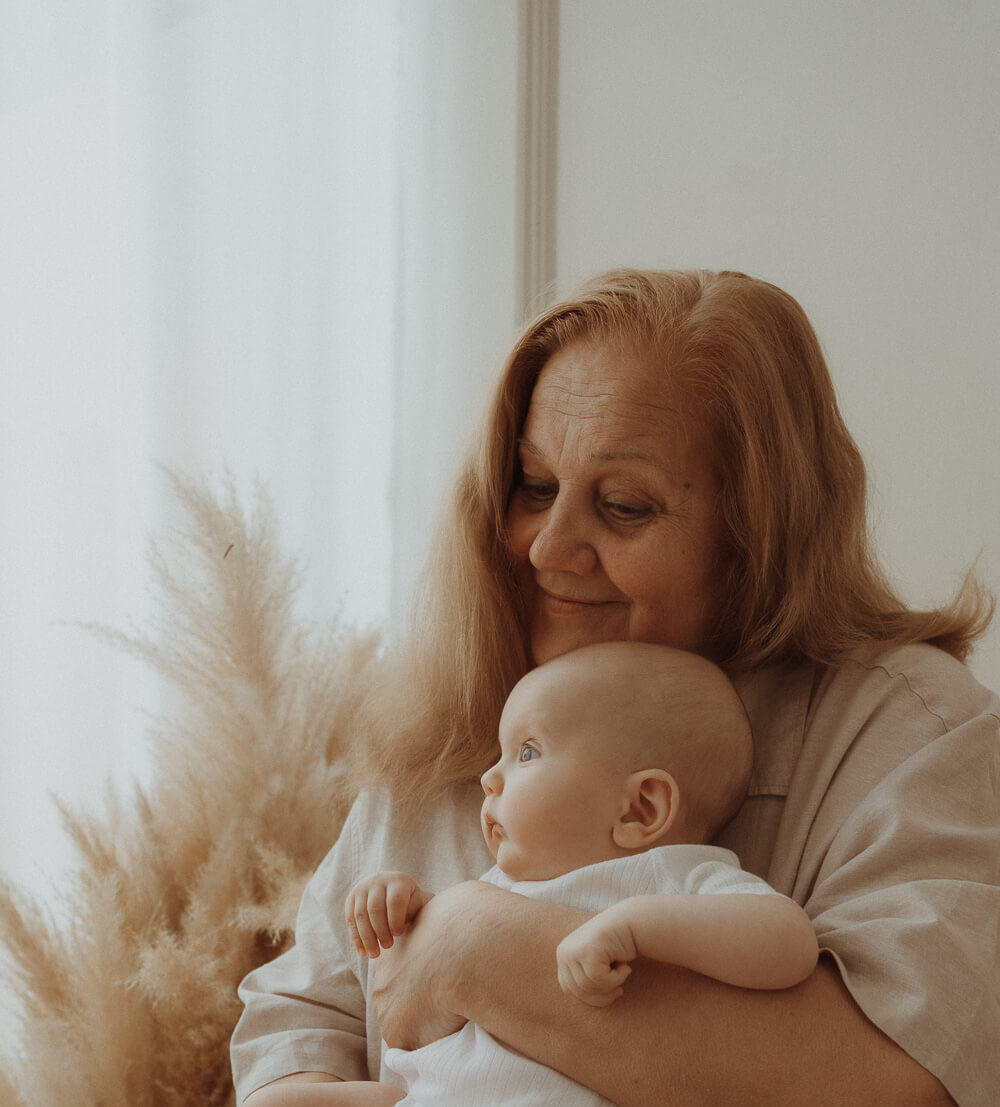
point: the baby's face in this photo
(553, 797)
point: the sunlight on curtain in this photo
(199, 228)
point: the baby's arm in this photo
(752, 941)
(380, 908)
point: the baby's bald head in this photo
(643, 706)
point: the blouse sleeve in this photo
(305, 1010)
(723, 876)
(906, 897)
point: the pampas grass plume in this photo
(181, 889)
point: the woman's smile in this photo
(559, 604)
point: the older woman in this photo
(664, 461)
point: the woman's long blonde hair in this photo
(799, 578)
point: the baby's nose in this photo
(491, 781)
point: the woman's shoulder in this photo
(891, 701)
(887, 736)
(916, 679)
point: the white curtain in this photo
(263, 236)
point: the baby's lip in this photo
(491, 827)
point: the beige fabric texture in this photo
(873, 803)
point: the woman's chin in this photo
(551, 642)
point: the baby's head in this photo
(611, 750)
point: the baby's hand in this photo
(593, 960)
(379, 908)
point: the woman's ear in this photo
(653, 800)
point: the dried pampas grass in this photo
(180, 891)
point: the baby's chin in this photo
(517, 868)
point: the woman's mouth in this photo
(557, 604)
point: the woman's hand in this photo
(379, 908)
(413, 985)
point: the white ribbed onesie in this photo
(471, 1067)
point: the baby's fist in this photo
(379, 908)
(593, 962)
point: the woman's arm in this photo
(748, 940)
(318, 1089)
(674, 1037)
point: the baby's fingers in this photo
(352, 926)
(399, 901)
(600, 999)
(568, 980)
(378, 916)
(575, 983)
(360, 927)
(616, 976)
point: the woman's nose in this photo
(562, 543)
(492, 781)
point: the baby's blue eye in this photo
(528, 753)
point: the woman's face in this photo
(613, 522)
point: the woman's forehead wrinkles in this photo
(608, 429)
(608, 413)
(626, 399)
(604, 424)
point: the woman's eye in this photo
(538, 491)
(626, 512)
(528, 753)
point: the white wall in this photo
(847, 152)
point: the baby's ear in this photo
(653, 800)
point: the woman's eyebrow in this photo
(607, 456)
(627, 455)
(650, 460)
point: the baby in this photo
(618, 762)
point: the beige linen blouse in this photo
(874, 802)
